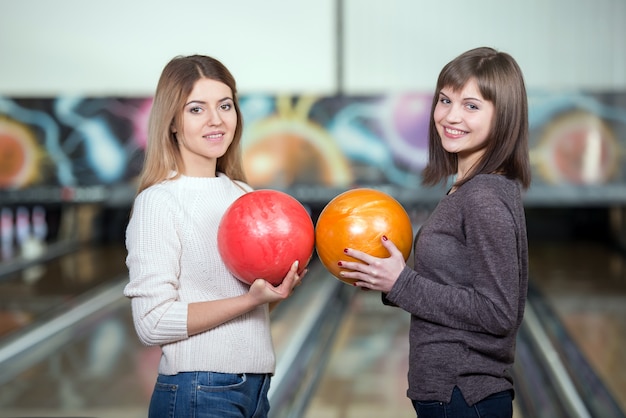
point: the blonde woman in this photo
(214, 331)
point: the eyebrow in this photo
(463, 98)
(203, 102)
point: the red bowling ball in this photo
(262, 233)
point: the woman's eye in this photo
(226, 106)
(444, 100)
(472, 106)
(195, 109)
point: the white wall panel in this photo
(118, 47)
(403, 44)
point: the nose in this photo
(453, 114)
(213, 117)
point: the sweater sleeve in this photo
(484, 298)
(154, 251)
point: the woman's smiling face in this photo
(463, 119)
(208, 126)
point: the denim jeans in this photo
(498, 405)
(208, 395)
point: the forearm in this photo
(453, 306)
(203, 316)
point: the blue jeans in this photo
(498, 405)
(209, 395)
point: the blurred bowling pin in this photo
(32, 246)
(6, 233)
(22, 225)
(40, 224)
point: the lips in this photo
(214, 136)
(454, 132)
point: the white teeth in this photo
(214, 136)
(455, 132)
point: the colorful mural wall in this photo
(85, 149)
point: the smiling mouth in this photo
(455, 131)
(213, 136)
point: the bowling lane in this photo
(97, 367)
(578, 295)
(42, 289)
(366, 372)
(584, 285)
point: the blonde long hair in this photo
(175, 84)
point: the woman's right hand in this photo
(203, 316)
(264, 292)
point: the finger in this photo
(287, 283)
(363, 285)
(357, 278)
(292, 279)
(300, 277)
(389, 245)
(359, 270)
(351, 267)
(359, 255)
(297, 283)
(293, 271)
(260, 283)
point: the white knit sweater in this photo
(172, 261)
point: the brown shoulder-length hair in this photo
(175, 84)
(501, 82)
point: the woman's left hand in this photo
(374, 273)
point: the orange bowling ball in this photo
(358, 219)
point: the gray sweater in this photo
(467, 291)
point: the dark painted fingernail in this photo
(339, 263)
(384, 237)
